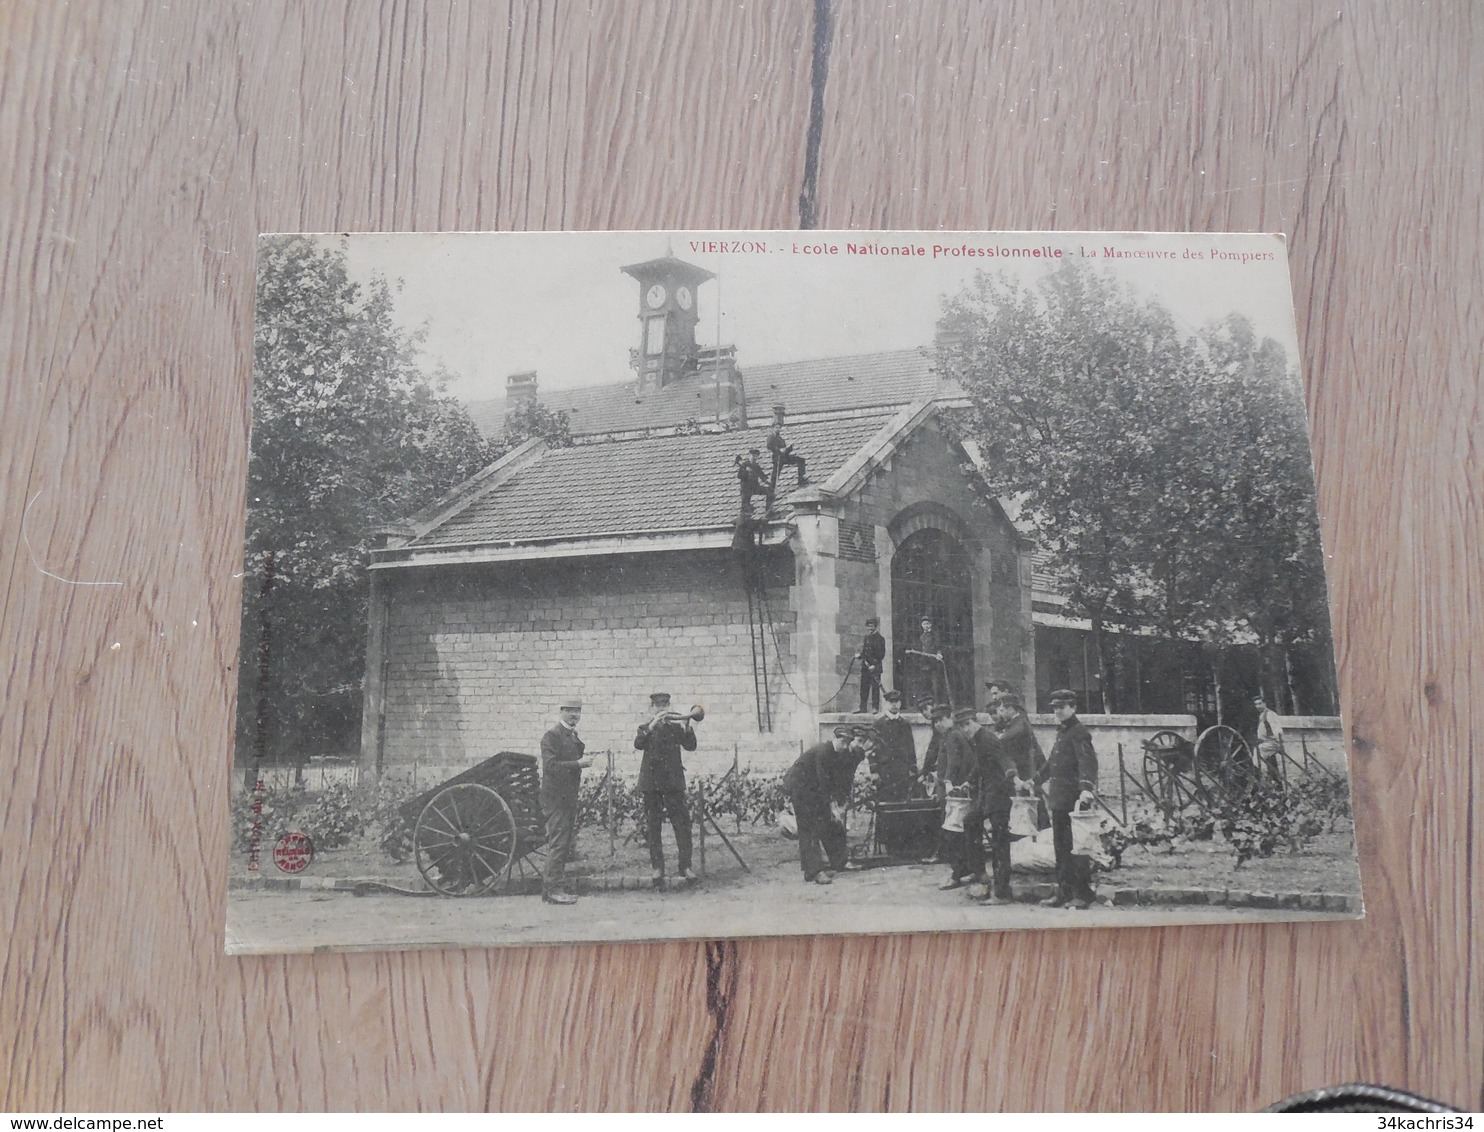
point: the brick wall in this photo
(480, 657)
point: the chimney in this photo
(520, 392)
(722, 391)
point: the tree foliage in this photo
(350, 432)
(1165, 474)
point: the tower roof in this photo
(669, 267)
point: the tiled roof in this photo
(648, 486)
(895, 377)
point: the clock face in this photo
(655, 295)
(683, 297)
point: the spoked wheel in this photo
(531, 866)
(465, 840)
(1168, 770)
(1224, 760)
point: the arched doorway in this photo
(931, 577)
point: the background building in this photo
(609, 569)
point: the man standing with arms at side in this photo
(818, 785)
(562, 761)
(894, 762)
(662, 784)
(1070, 777)
(873, 658)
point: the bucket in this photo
(1023, 817)
(1086, 833)
(955, 813)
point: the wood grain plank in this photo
(148, 144)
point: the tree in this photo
(350, 432)
(1270, 576)
(1066, 385)
(1167, 476)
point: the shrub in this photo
(381, 801)
(276, 817)
(330, 817)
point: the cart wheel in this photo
(1224, 759)
(530, 866)
(1167, 761)
(464, 840)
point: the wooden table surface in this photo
(142, 147)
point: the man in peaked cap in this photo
(995, 776)
(1070, 779)
(955, 780)
(1013, 729)
(932, 771)
(752, 481)
(783, 452)
(662, 784)
(872, 656)
(894, 761)
(562, 761)
(962, 773)
(818, 785)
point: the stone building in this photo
(608, 569)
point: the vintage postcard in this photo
(652, 585)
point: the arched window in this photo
(931, 577)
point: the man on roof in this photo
(783, 452)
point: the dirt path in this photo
(899, 899)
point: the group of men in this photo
(984, 768)
(926, 667)
(662, 737)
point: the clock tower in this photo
(668, 316)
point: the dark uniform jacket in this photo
(895, 760)
(956, 757)
(1071, 767)
(873, 650)
(821, 775)
(995, 770)
(661, 770)
(1022, 746)
(560, 774)
(934, 750)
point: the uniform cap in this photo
(1010, 699)
(842, 733)
(964, 714)
(571, 703)
(659, 699)
(942, 711)
(892, 696)
(1062, 696)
